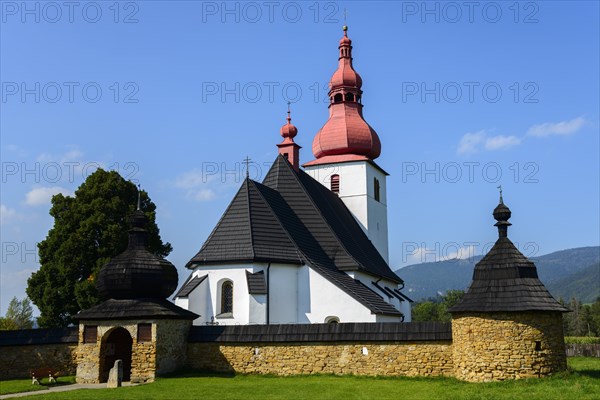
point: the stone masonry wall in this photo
(171, 344)
(498, 346)
(431, 358)
(16, 361)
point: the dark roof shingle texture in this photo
(135, 308)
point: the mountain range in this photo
(566, 273)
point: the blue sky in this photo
(174, 95)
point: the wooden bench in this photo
(39, 373)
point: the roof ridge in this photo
(318, 210)
(290, 238)
(248, 208)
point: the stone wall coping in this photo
(38, 336)
(343, 332)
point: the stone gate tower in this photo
(136, 323)
(507, 326)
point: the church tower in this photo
(345, 149)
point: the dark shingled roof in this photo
(505, 280)
(362, 332)
(291, 218)
(38, 336)
(247, 232)
(135, 308)
(189, 286)
(256, 282)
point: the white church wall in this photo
(327, 300)
(257, 308)
(358, 194)
(283, 294)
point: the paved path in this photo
(63, 388)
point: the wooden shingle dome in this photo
(137, 273)
(506, 280)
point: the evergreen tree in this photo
(89, 229)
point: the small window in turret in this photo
(335, 183)
(349, 97)
(376, 189)
(338, 98)
(538, 345)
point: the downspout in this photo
(268, 291)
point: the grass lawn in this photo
(24, 385)
(581, 382)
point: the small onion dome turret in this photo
(137, 273)
(288, 130)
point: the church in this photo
(307, 245)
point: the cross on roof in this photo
(247, 162)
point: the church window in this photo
(338, 98)
(335, 183)
(227, 297)
(376, 189)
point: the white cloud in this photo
(475, 142)
(202, 194)
(501, 142)
(43, 195)
(197, 185)
(69, 156)
(470, 142)
(562, 128)
(193, 179)
(7, 214)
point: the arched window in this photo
(227, 297)
(349, 97)
(335, 183)
(338, 98)
(376, 189)
(332, 320)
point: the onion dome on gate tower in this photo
(137, 273)
(346, 136)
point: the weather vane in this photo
(345, 14)
(500, 188)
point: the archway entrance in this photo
(116, 346)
